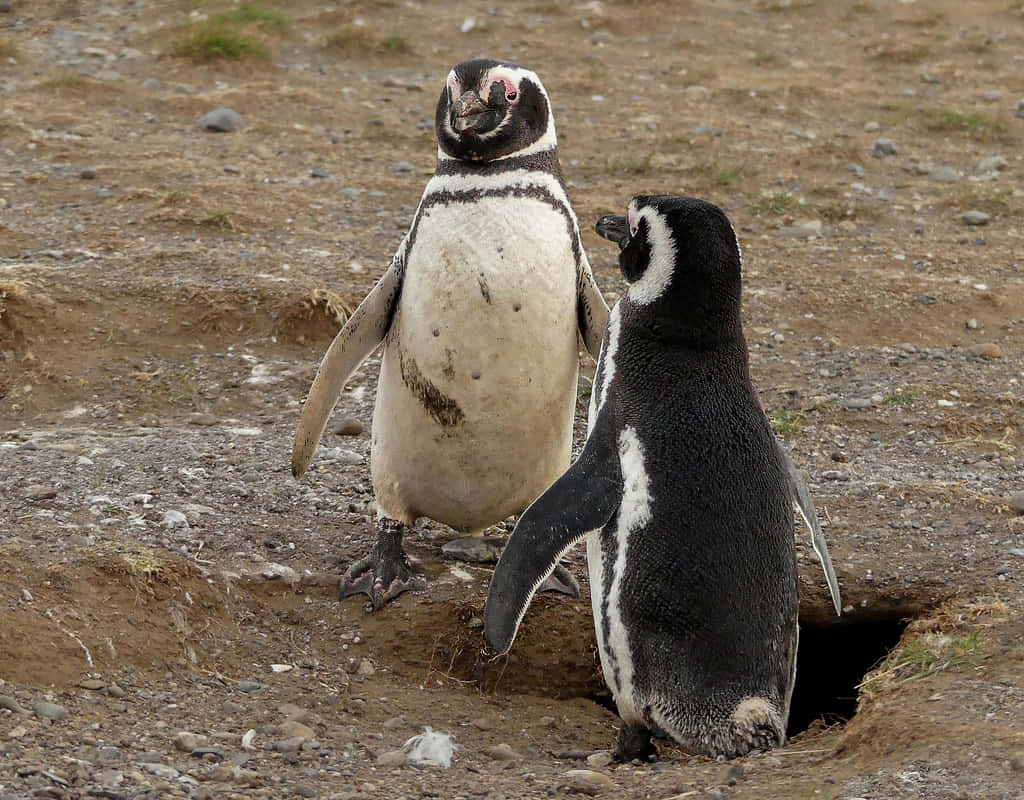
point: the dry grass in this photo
(8, 49)
(361, 40)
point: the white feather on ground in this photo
(431, 749)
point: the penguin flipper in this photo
(802, 500)
(363, 331)
(592, 312)
(578, 503)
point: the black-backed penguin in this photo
(480, 314)
(685, 498)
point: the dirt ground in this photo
(166, 294)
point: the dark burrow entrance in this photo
(832, 660)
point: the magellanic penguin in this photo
(686, 500)
(480, 314)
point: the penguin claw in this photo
(383, 573)
(560, 580)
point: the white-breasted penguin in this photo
(685, 497)
(480, 314)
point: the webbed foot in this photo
(634, 741)
(384, 573)
(560, 580)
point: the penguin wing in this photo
(363, 331)
(592, 312)
(802, 500)
(578, 503)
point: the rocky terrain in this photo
(169, 625)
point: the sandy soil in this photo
(166, 293)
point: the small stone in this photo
(304, 791)
(856, 169)
(403, 166)
(871, 126)
(986, 350)
(475, 549)
(392, 758)
(365, 668)
(249, 686)
(602, 758)
(588, 782)
(394, 723)
(11, 704)
(37, 493)
(944, 175)
(174, 519)
(161, 770)
(883, 148)
(232, 169)
(115, 691)
(482, 724)
(108, 754)
(92, 684)
(992, 96)
(319, 172)
(87, 174)
(49, 710)
(697, 92)
(974, 217)
(734, 774)
(802, 229)
(972, 324)
(502, 752)
(856, 402)
(1016, 502)
(296, 730)
(221, 120)
(1020, 109)
(187, 742)
(290, 745)
(349, 427)
(1017, 761)
(547, 722)
(992, 164)
(151, 83)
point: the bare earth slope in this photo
(166, 293)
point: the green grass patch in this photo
(899, 397)
(926, 655)
(360, 40)
(973, 123)
(253, 13)
(221, 218)
(779, 202)
(787, 421)
(782, 6)
(215, 40)
(630, 163)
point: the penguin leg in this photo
(561, 581)
(634, 741)
(384, 573)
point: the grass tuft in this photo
(356, 40)
(925, 655)
(8, 49)
(630, 163)
(253, 13)
(215, 40)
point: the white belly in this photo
(478, 380)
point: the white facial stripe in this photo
(656, 277)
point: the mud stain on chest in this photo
(443, 409)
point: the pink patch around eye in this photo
(511, 93)
(453, 85)
(632, 222)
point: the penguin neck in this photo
(541, 161)
(688, 335)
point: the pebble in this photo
(87, 174)
(856, 169)
(482, 723)
(304, 791)
(173, 519)
(160, 770)
(502, 752)
(37, 493)
(697, 92)
(403, 166)
(944, 175)
(221, 120)
(394, 723)
(392, 758)
(249, 686)
(365, 668)
(349, 427)
(974, 217)
(11, 704)
(1020, 109)
(734, 774)
(883, 148)
(49, 710)
(972, 324)
(802, 229)
(187, 741)
(296, 730)
(1017, 761)
(151, 83)
(475, 549)
(1017, 502)
(602, 758)
(289, 745)
(588, 782)
(986, 350)
(992, 164)
(108, 754)
(856, 402)
(319, 172)
(338, 455)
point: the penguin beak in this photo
(468, 111)
(615, 228)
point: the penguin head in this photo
(682, 260)
(492, 109)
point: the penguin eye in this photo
(511, 95)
